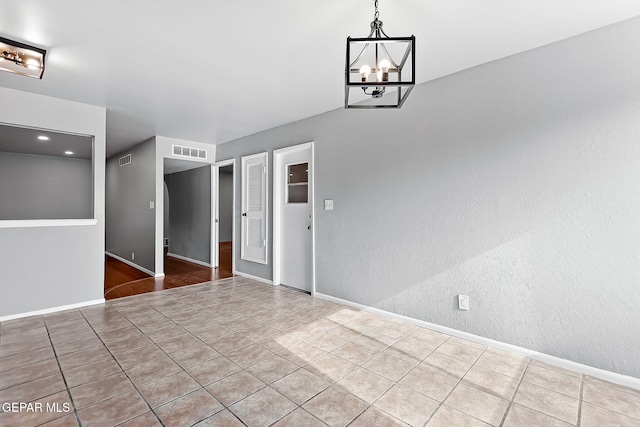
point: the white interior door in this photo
(295, 212)
(254, 208)
(215, 214)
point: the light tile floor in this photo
(237, 352)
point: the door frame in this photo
(278, 197)
(244, 224)
(159, 217)
(215, 218)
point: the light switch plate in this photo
(152, 204)
(328, 205)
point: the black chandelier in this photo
(379, 65)
(20, 58)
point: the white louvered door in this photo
(254, 208)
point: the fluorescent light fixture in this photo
(43, 138)
(20, 58)
(68, 153)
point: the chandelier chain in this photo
(377, 14)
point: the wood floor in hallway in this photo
(122, 280)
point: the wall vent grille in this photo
(196, 153)
(125, 160)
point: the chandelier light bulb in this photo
(365, 70)
(384, 69)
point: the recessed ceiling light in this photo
(68, 153)
(43, 138)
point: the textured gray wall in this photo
(516, 182)
(190, 213)
(44, 187)
(225, 207)
(54, 265)
(130, 222)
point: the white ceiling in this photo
(212, 71)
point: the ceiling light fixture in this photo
(68, 153)
(378, 63)
(43, 138)
(20, 58)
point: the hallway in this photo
(122, 280)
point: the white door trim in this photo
(244, 223)
(278, 196)
(216, 216)
(213, 253)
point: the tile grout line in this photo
(122, 369)
(441, 403)
(394, 383)
(152, 410)
(64, 379)
(203, 387)
(515, 392)
(580, 402)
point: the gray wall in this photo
(48, 264)
(130, 221)
(516, 182)
(190, 213)
(44, 187)
(225, 204)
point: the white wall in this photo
(516, 182)
(56, 263)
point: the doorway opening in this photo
(224, 208)
(187, 211)
(192, 221)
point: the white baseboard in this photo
(613, 377)
(52, 310)
(184, 258)
(132, 264)
(256, 278)
(159, 275)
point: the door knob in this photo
(309, 227)
(244, 214)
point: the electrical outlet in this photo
(463, 302)
(152, 204)
(133, 256)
